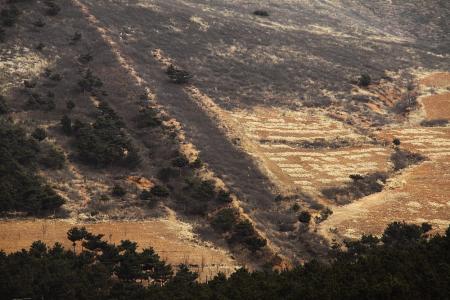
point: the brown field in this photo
(172, 240)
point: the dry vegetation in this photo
(273, 125)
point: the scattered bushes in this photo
(224, 197)
(180, 162)
(20, 188)
(434, 123)
(177, 75)
(403, 159)
(104, 142)
(317, 143)
(360, 186)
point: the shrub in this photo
(39, 23)
(196, 164)
(403, 159)
(434, 123)
(55, 77)
(39, 134)
(103, 198)
(89, 81)
(396, 142)
(70, 105)
(52, 157)
(261, 13)
(29, 84)
(180, 162)
(145, 195)
(118, 191)
(85, 58)
(324, 214)
(2, 35)
(66, 124)
(364, 80)
(4, 109)
(165, 174)
(406, 104)
(224, 197)
(52, 8)
(224, 220)
(295, 207)
(304, 217)
(317, 101)
(76, 37)
(8, 16)
(148, 118)
(160, 191)
(40, 46)
(177, 75)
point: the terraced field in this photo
(283, 141)
(420, 193)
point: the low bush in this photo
(39, 134)
(359, 187)
(403, 159)
(317, 101)
(89, 82)
(224, 197)
(118, 191)
(4, 108)
(364, 80)
(70, 105)
(39, 23)
(66, 124)
(405, 104)
(245, 234)
(8, 16)
(146, 195)
(304, 217)
(147, 117)
(180, 161)
(52, 8)
(324, 214)
(434, 123)
(177, 75)
(261, 13)
(160, 191)
(165, 174)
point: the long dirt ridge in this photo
(188, 111)
(229, 163)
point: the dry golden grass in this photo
(173, 240)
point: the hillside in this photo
(319, 122)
